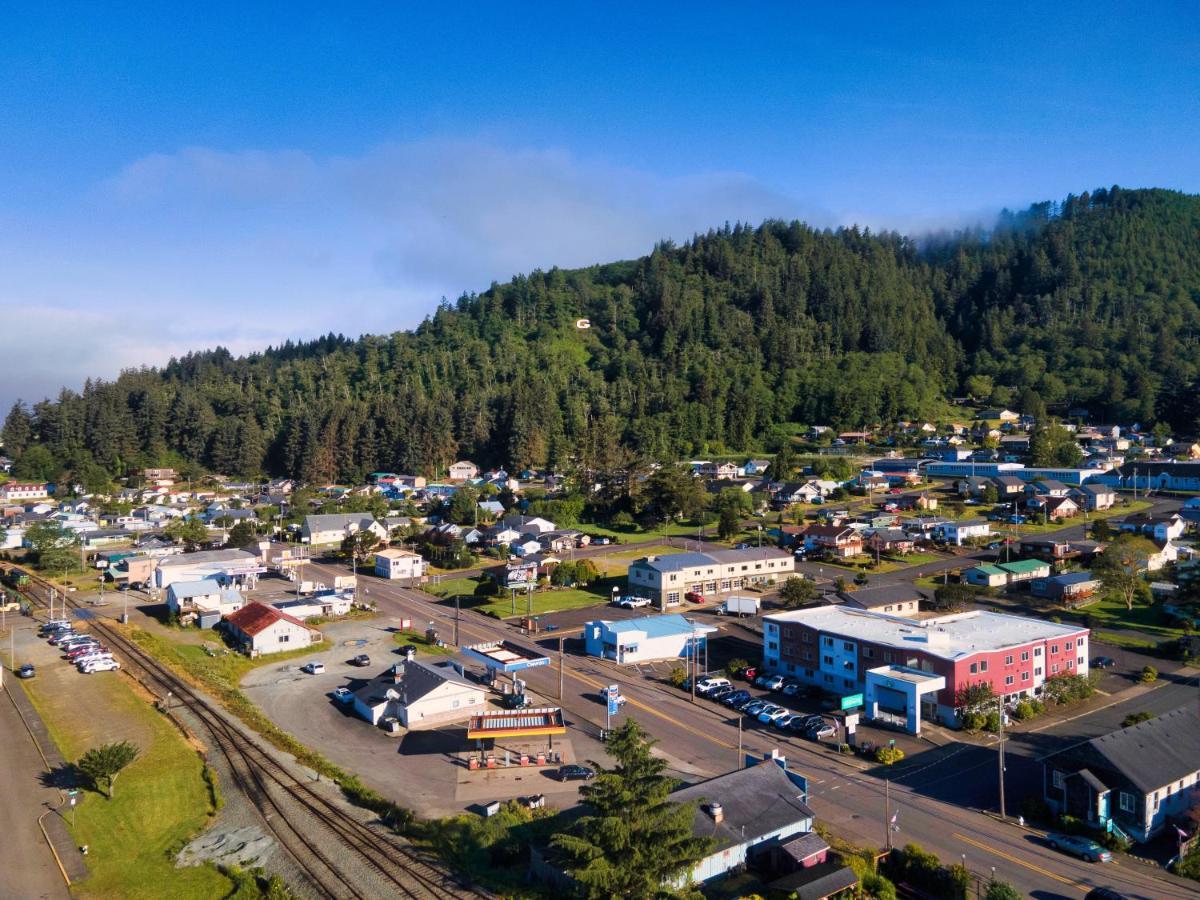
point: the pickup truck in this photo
(633, 602)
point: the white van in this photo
(711, 683)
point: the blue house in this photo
(645, 640)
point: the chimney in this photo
(397, 673)
(717, 812)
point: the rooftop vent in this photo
(717, 812)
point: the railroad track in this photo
(289, 807)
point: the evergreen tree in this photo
(634, 842)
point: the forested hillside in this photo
(693, 349)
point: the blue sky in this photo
(175, 178)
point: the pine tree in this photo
(635, 842)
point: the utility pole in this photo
(456, 617)
(560, 668)
(739, 756)
(695, 672)
(887, 814)
(1000, 757)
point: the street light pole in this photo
(1000, 758)
(887, 814)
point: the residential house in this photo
(1160, 528)
(333, 528)
(854, 437)
(890, 599)
(13, 491)
(721, 471)
(972, 485)
(400, 564)
(836, 540)
(419, 695)
(1054, 508)
(1140, 778)
(1046, 487)
(1093, 496)
(797, 492)
(1068, 589)
(500, 534)
(206, 595)
(985, 576)
(756, 467)
(493, 508)
(959, 532)
(1167, 553)
(528, 524)
(873, 481)
(259, 629)
(525, 546)
(1008, 487)
(890, 540)
(463, 470)
(917, 501)
(1001, 415)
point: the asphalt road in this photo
(941, 796)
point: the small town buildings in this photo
(18, 491)
(890, 540)
(523, 525)
(665, 579)
(960, 532)
(917, 501)
(1054, 508)
(911, 670)
(720, 471)
(1008, 487)
(797, 492)
(1001, 574)
(840, 541)
(419, 695)
(193, 597)
(756, 467)
(1094, 497)
(395, 564)
(332, 528)
(1139, 778)
(258, 629)
(1070, 588)
(227, 567)
(647, 639)
(1160, 528)
(1163, 476)
(325, 603)
(892, 599)
(463, 470)
(985, 576)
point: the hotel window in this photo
(787, 632)
(1024, 656)
(827, 660)
(1128, 803)
(974, 668)
(1008, 679)
(806, 637)
(1008, 660)
(1024, 676)
(772, 645)
(868, 653)
(1080, 660)
(1054, 648)
(846, 645)
(1070, 645)
(1038, 671)
(828, 642)
(1054, 669)
(983, 665)
(1037, 651)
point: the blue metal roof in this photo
(659, 626)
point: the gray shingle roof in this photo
(338, 521)
(416, 680)
(1156, 752)
(755, 801)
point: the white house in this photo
(18, 490)
(419, 694)
(393, 564)
(529, 524)
(958, 532)
(645, 640)
(526, 547)
(326, 604)
(463, 470)
(332, 528)
(205, 595)
(259, 629)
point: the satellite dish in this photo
(582, 324)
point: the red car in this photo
(749, 673)
(693, 597)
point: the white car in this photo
(633, 602)
(101, 665)
(314, 668)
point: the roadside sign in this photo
(852, 701)
(614, 699)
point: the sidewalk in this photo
(63, 844)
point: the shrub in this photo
(677, 676)
(736, 665)
(889, 755)
(1024, 711)
(992, 722)
(1134, 718)
(1149, 675)
(1001, 890)
(487, 588)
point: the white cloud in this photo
(182, 251)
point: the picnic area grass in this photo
(161, 800)
(417, 638)
(598, 593)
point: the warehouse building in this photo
(226, 567)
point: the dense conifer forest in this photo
(717, 345)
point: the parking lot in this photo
(430, 776)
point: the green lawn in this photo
(161, 801)
(541, 602)
(1112, 614)
(423, 646)
(617, 562)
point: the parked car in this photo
(711, 683)
(743, 705)
(1103, 662)
(84, 662)
(575, 773)
(784, 723)
(721, 692)
(821, 731)
(26, 671)
(1077, 845)
(313, 668)
(633, 602)
(761, 680)
(80, 652)
(621, 699)
(773, 682)
(693, 597)
(408, 650)
(749, 673)
(343, 694)
(773, 714)
(1103, 893)
(754, 707)
(735, 697)
(101, 665)
(362, 660)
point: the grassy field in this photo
(1112, 614)
(617, 562)
(161, 801)
(553, 600)
(423, 646)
